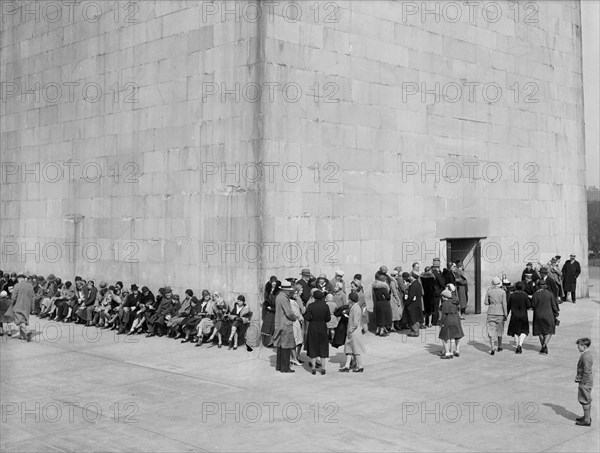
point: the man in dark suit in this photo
(306, 286)
(440, 284)
(570, 271)
(530, 270)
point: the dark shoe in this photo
(457, 354)
(518, 350)
(249, 349)
(28, 336)
(185, 340)
(323, 371)
(234, 348)
(422, 326)
(446, 357)
(219, 345)
(492, 352)
(229, 348)
(149, 335)
(358, 370)
(579, 419)
(499, 349)
(583, 423)
(545, 350)
(198, 345)
(289, 371)
(344, 370)
(412, 335)
(313, 371)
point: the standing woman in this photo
(545, 314)
(462, 287)
(396, 301)
(317, 341)
(354, 347)
(451, 328)
(268, 314)
(519, 322)
(428, 283)
(381, 305)
(298, 310)
(496, 314)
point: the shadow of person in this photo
(483, 347)
(433, 349)
(339, 358)
(559, 410)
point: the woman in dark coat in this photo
(339, 337)
(545, 314)
(519, 322)
(428, 283)
(451, 327)
(381, 304)
(268, 314)
(317, 339)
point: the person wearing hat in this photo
(353, 346)
(127, 311)
(529, 286)
(439, 286)
(383, 270)
(5, 304)
(413, 305)
(450, 326)
(268, 313)
(22, 301)
(427, 281)
(283, 337)
(517, 305)
(317, 338)
(38, 294)
(535, 276)
(338, 280)
(206, 315)
(497, 312)
(570, 271)
(85, 312)
(305, 281)
(396, 301)
(549, 281)
(238, 320)
(146, 308)
(381, 304)
(182, 313)
(156, 322)
(555, 272)
(545, 314)
(462, 287)
(324, 284)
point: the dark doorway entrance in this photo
(469, 251)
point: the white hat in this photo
(340, 273)
(451, 287)
(3, 294)
(286, 284)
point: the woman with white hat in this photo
(496, 314)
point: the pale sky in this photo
(590, 12)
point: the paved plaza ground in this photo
(77, 389)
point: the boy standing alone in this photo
(585, 380)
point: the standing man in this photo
(22, 301)
(413, 304)
(552, 286)
(530, 270)
(570, 271)
(439, 286)
(306, 286)
(283, 337)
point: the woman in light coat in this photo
(354, 347)
(496, 314)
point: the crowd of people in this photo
(309, 312)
